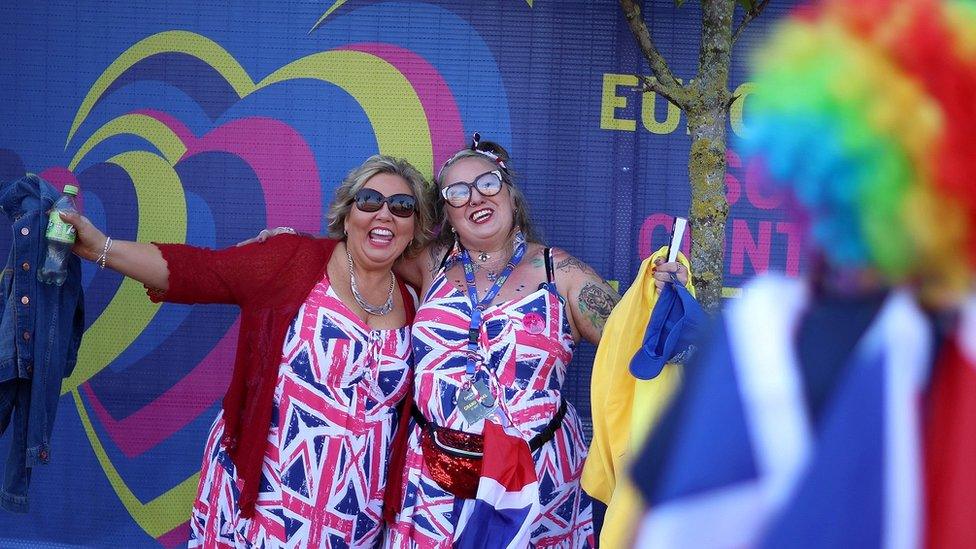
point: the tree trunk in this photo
(709, 207)
(705, 100)
(707, 117)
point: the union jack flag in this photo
(739, 462)
(507, 501)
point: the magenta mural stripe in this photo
(175, 537)
(279, 156)
(443, 117)
(59, 177)
(283, 163)
(178, 406)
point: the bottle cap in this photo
(71, 189)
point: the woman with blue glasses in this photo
(501, 316)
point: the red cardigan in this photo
(269, 281)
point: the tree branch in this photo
(666, 84)
(750, 15)
(652, 85)
(732, 99)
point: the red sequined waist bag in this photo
(453, 458)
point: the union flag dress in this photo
(527, 345)
(334, 418)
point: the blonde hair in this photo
(355, 180)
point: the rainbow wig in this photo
(866, 110)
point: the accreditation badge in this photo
(476, 402)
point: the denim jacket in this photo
(40, 330)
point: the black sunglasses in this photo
(459, 194)
(400, 205)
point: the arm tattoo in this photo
(571, 263)
(595, 302)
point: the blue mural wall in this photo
(204, 122)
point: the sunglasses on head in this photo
(400, 205)
(459, 194)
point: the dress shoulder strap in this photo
(550, 275)
(445, 259)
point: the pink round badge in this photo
(534, 324)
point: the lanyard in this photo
(478, 306)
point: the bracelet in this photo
(103, 259)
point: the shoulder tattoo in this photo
(571, 263)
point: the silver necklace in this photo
(370, 309)
(491, 269)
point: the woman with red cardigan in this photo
(299, 452)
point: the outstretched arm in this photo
(137, 260)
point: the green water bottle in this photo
(60, 237)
